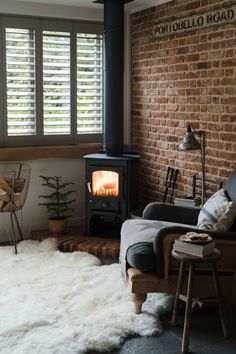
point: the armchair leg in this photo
(138, 300)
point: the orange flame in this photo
(105, 183)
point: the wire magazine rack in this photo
(14, 183)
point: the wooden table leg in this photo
(185, 339)
(220, 301)
(178, 291)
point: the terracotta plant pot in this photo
(57, 225)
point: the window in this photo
(52, 82)
(20, 82)
(56, 83)
(89, 83)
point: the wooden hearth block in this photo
(100, 247)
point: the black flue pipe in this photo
(114, 76)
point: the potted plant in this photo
(58, 202)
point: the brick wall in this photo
(181, 79)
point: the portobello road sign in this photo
(194, 22)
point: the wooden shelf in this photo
(48, 152)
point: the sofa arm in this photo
(171, 212)
(162, 245)
(169, 234)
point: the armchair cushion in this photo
(218, 213)
(141, 256)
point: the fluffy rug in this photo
(66, 303)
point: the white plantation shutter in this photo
(51, 81)
(20, 82)
(56, 83)
(89, 83)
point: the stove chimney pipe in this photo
(114, 76)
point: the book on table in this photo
(187, 200)
(190, 203)
(194, 249)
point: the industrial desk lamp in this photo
(190, 143)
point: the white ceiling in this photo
(79, 3)
(132, 6)
(71, 9)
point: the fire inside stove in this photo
(105, 183)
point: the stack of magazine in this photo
(192, 243)
(187, 200)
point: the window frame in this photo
(40, 25)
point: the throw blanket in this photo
(142, 230)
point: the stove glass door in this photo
(105, 183)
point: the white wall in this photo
(34, 217)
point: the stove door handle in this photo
(89, 187)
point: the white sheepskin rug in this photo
(67, 303)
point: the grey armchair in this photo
(164, 278)
(187, 215)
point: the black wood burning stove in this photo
(111, 192)
(111, 175)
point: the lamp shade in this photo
(189, 141)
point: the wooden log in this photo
(15, 204)
(17, 201)
(7, 207)
(19, 184)
(4, 196)
(5, 186)
(1, 204)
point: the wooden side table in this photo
(192, 261)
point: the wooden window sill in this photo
(48, 152)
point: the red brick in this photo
(228, 100)
(216, 35)
(218, 54)
(229, 62)
(229, 53)
(193, 5)
(228, 44)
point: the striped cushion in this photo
(218, 213)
